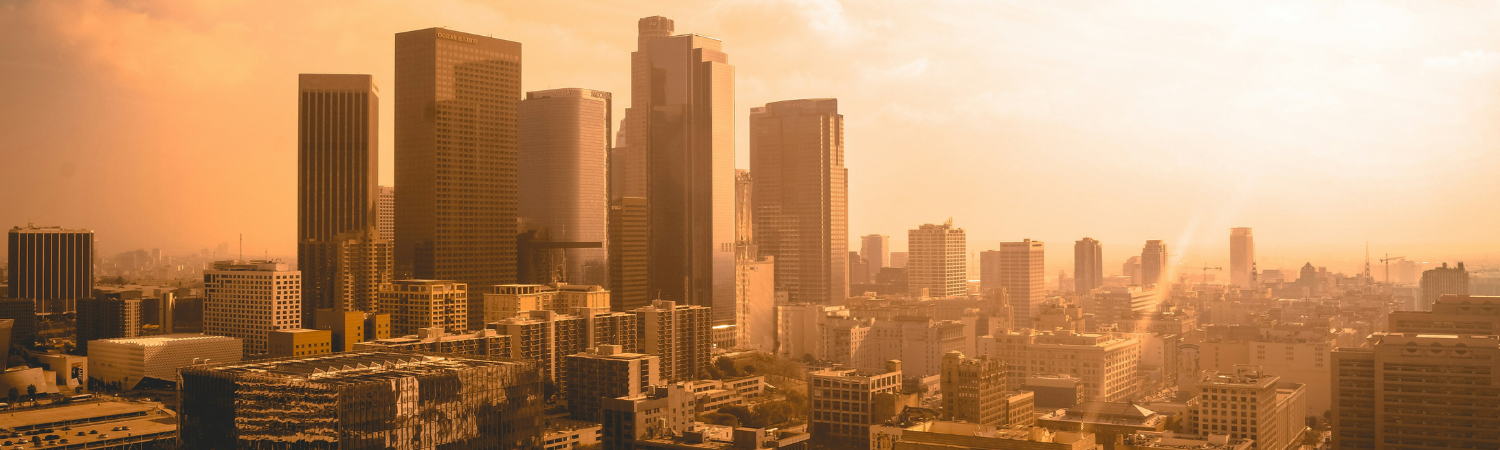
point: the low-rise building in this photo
(299, 342)
(1105, 420)
(1170, 441)
(435, 340)
(1106, 363)
(606, 372)
(846, 403)
(129, 361)
(566, 434)
(1250, 404)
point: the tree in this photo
(717, 418)
(15, 394)
(31, 392)
(743, 414)
(726, 366)
(771, 414)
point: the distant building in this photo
(1241, 258)
(937, 266)
(129, 361)
(1451, 314)
(50, 265)
(386, 215)
(465, 402)
(918, 342)
(1054, 391)
(107, 316)
(756, 319)
(876, 249)
(417, 304)
(1024, 279)
(899, 259)
(1173, 441)
(1106, 363)
(248, 299)
(1410, 388)
(607, 372)
(845, 403)
(434, 340)
(1132, 269)
(1088, 266)
(23, 312)
(1443, 281)
(1154, 263)
(945, 435)
(1279, 408)
(627, 252)
(974, 389)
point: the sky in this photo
(1322, 125)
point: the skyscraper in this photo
(1442, 281)
(337, 184)
(679, 155)
(1132, 269)
(801, 196)
(50, 265)
(456, 96)
(1023, 277)
(1241, 257)
(1154, 263)
(937, 260)
(1088, 265)
(387, 213)
(564, 195)
(876, 248)
(989, 270)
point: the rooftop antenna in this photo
(242, 246)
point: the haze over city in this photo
(1322, 125)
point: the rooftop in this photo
(169, 339)
(353, 367)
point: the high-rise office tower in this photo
(249, 299)
(1024, 279)
(337, 186)
(755, 276)
(607, 371)
(1443, 281)
(53, 266)
(801, 196)
(679, 156)
(387, 213)
(1088, 266)
(937, 260)
(107, 316)
(627, 253)
(1154, 263)
(1241, 257)
(876, 248)
(679, 334)
(456, 96)
(564, 194)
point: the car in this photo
(63, 441)
(124, 427)
(80, 433)
(93, 431)
(103, 436)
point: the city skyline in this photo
(1290, 190)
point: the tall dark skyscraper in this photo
(801, 196)
(1154, 263)
(679, 155)
(1088, 265)
(53, 266)
(456, 96)
(564, 148)
(337, 184)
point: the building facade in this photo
(1105, 364)
(1088, 266)
(248, 299)
(417, 304)
(876, 249)
(1241, 258)
(801, 196)
(1024, 279)
(456, 96)
(386, 215)
(679, 334)
(338, 125)
(1154, 263)
(128, 361)
(106, 316)
(1249, 404)
(51, 266)
(1417, 391)
(936, 266)
(1443, 281)
(606, 372)
(565, 137)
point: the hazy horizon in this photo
(1323, 126)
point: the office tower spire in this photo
(1088, 265)
(456, 96)
(1241, 257)
(679, 156)
(338, 192)
(801, 196)
(564, 202)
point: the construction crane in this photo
(1387, 261)
(1204, 278)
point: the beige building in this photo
(1417, 391)
(918, 342)
(1106, 364)
(248, 299)
(564, 186)
(1022, 275)
(299, 342)
(1296, 355)
(456, 159)
(847, 403)
(417, 304)
(1241, 258)
(974, 390)
(1452, 314)
(1249, 404)
(876, 249)
(1154, 264)
(386, 220)
(755, 304)
(936, 261)
(347, 328)
(679, 334)
(947, 435)
(1173, 441)
(606, 372)
(435, 340)
(801, 197)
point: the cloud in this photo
(1471, 61)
